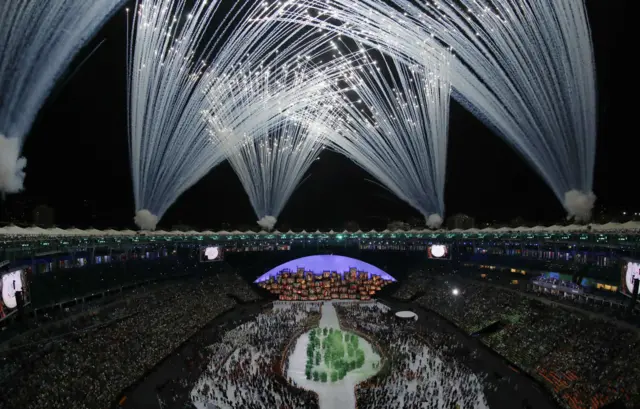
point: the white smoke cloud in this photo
(11, 165)
(579, 205)
(434, 221)
(146, 220)
(267, 222)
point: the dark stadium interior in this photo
(318, 204)
(532, 345)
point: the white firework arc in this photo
(271, 166)
(525, 68)
(165, 127)
(185, 116)
(400, 136)
(278, 112)
(528, 71)
(38, 41)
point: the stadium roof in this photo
(15, 231)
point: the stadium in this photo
(317, 204)
(500, 319)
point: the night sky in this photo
(77, 156)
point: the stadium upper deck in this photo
(19, 242)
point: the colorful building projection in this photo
(324, 277)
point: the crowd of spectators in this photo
(245, 368)
(416, 282)
(416, 371)
(558, 282)
(613, 305)
(588, 362)
(85, 362)
(84, 356)
(62, 285)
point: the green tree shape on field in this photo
(339, 351)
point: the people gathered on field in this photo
(418, 371)
(245, 368)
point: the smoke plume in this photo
(579, 205)
(146, 220)
(11, 165)
(267, 222)
(434, 221)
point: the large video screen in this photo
(211, 253)
(309, 286)
(630, 272)
(438, 251)
(11, 283)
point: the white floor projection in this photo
(339, 360)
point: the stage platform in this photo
(407, 315)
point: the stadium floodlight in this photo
(38, 41)
(525, 68)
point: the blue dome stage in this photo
(325, 262)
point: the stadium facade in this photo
(599, 249)
(16, 241)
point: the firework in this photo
(271, 166)
(281, 113)
(186, 116)
(525, 68)
(397, 130)
(38, 40)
